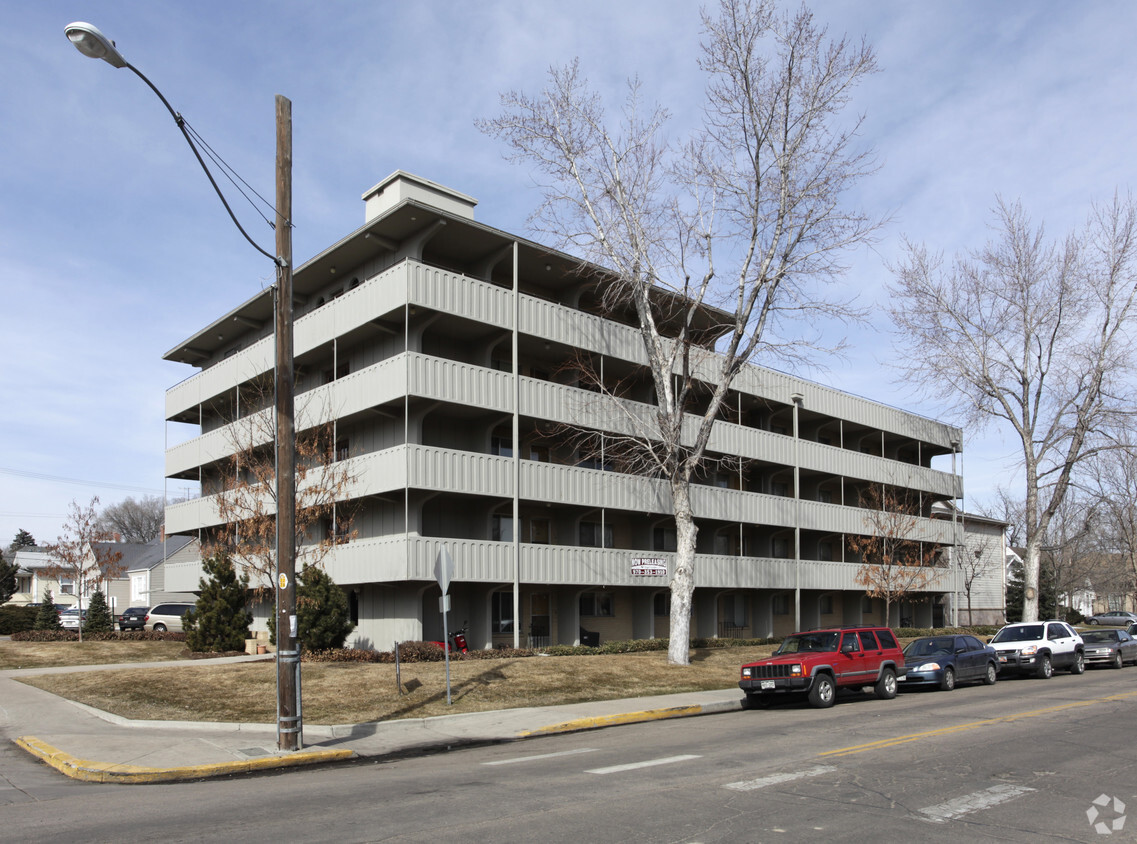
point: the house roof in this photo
(139, 556)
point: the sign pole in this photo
(443, 571)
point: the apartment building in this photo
(442, 352)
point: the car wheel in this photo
(947, 682)
(823, 692)
(1118, 662)
(992, 674)
(1093, 621)
(1078, 666)
(1045, 670)
(159, 628)
(885, 688)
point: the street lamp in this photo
(89, 41)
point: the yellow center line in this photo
(944, 731)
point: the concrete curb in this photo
(601, 721)
(91, 771)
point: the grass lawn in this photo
(56, 654)
(345, 693)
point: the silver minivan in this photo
(166, 617)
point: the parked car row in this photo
(817, 663)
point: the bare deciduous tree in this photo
(1032, 334)
(84, 553)
(895, 561)
(1113, 483)
(135, 521)
(246, 494)
(721, 243)
(974, 562)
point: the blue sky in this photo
(113, 248)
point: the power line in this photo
(40, 476)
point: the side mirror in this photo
(848, 646)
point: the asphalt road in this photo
(1024, 760)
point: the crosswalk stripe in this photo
(992, 796)
(777, 779)
(616, 769)
(541, 756)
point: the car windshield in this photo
(929, 647)
(803, 642)
(1101, 636)
(1022, 633)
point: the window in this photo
(734, 610)
(539, 531)
(868, 641)
(343, 448)
(661, 603)
(825, 551)
(591, 534)
(825, 605)
(825, 496)
(501, 612)
(781, 604)
(539, 453)
(66, 586)
(866, 604)
(663, 539)
(779, 488)
(781, 548)
(502, 529)
(502, 446)
(596, 605)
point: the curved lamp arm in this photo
(89, 41)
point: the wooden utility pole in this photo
(289, 726)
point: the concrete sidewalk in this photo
(88, 744)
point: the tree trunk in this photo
(683, 580)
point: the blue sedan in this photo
(943, 661)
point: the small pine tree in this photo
(322, 611)
(222, 618)
(99, 618)
(48, 617)
(8, 581)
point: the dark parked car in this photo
(1118, 618)
(1109, 647)
(944, 661)
(132, 618)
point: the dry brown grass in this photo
(348, 693)
(56, 654)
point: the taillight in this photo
(146, 619)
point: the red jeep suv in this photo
(818, 662)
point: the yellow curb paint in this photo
(91, 771)
(613, 720)
(959, 728)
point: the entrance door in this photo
(540, 622)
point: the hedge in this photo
(116, 636)
(16, 619)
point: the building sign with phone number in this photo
(649, 567)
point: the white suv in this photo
(1038, 647)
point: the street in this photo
(1024, 760)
